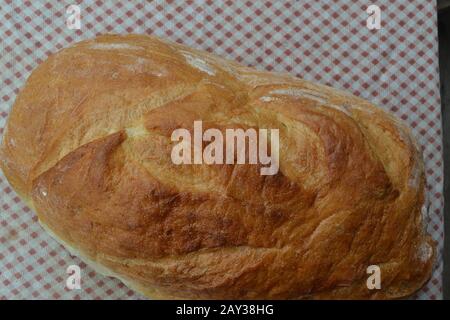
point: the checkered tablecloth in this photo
(325, 41)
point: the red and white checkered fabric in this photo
(324, 41)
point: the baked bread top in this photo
(88, 145)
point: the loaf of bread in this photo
(88, 147)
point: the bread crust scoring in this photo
(87, 145)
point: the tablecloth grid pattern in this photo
(396, 67)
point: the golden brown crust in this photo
(88, 145)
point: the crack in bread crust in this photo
(88, 146)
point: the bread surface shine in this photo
(88, 145)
